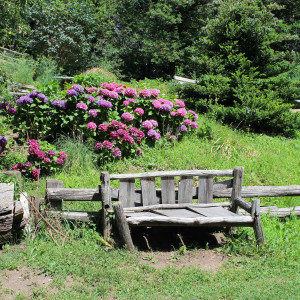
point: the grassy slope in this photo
(271, 272)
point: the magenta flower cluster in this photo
(3, 143)
(40, 160)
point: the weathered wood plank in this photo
(26, 208)
(122, 225)
(127, 192)
(81, 216)
(148, 191)
(167, 206)
(18, 212)
(57, 194)
(262, 191)
(140, 214)
(178, 212)
(54, 184)
(257, 226)
(213, 211)
(185, 189)
(238, 174)
(205, 190)
(222, 173)
(105, 221)
(200, 221)
(167, 190)
(243, 204)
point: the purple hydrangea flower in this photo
(98, 145)
(42, 97)
(91, 126)
(107, 144)
(93, 113)
(113, 95)
(51, 153)
(147, 124)
(12, 111)
(104, 103)
(33, 94)
(78, 88)
(3, 141)
(91, 99)
(103, 127)
(194, 125)
(183, 128)
(35, 173)
(187, 122)
(72, 92)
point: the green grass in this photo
(270, 272)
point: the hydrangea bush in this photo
(119, 118)
(42, 158)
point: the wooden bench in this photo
(187, 205)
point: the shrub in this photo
(43, 158)
(119, 118)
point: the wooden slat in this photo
(167, 206)
(167, 190)
(127, 192)
(238, 174)
(262, 191)
(205, 191)
(213, 211)
(148, 191)
(180, 213)
(141, 214)
(56, 184)
(185, 189)
(200, 221)
(221, 173)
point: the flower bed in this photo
(120, 119)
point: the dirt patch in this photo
(206, 260)
(22, 281)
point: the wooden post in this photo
(106, 204)
(238, 174)
(123, 226)
(55, 184)
(257, 227)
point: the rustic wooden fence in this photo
(56, 194)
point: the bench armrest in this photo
(242, 203)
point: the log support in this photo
(123, 226)
(257, 227)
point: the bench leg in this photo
(105, 224)
(123, 226)
(257, 227)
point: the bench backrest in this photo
(148, 194)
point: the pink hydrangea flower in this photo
(194, 114)
(147, 124)
(157, 104)
(114, 135)
(112, 86)
(59, 161)
(117, 152)
(113, 95)
(139, 111)
(139, 151)
(132, 100)
(187, 122)
(154, 123)
(28, 165)
(181, 112)
(105, 92)
(194, 125)
(91, 99)
(145, 93)
(154, 92)
(103, 127)
(130, 92)
(180, 103)
(127, 116)
(82, 106)
(51, 153)
(47, 160)
(126, 102)
(183, 128)
(98, 145)
(93, 113)
(35, 173)
(93, 89)
(62, 155)
(41, 154)
(91, 126)
(128, 139)
(173, 113)
(107, 144)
